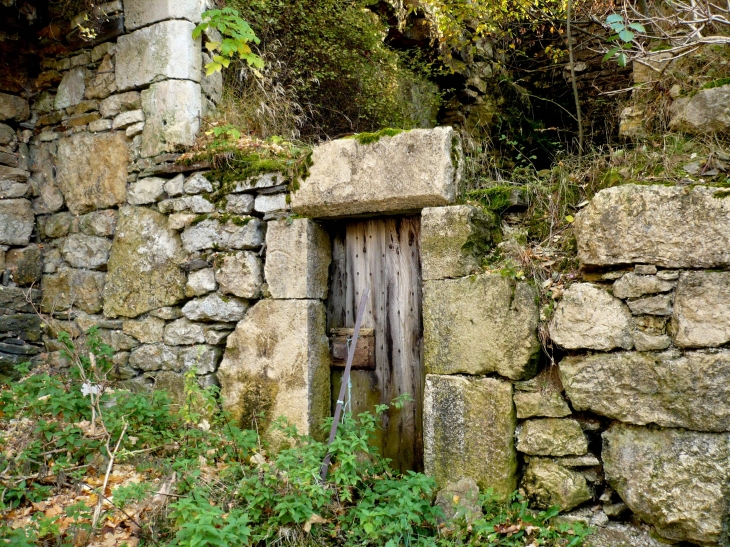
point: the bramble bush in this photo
(199, 480)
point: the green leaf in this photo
(611, 53)
(638, 27)
(570, 218)
(626, 35)
(614, 18)
(622, 59)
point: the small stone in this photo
(197, 184)
(645, 269)
(25, 265)
(16, 221)
(144, 191)
(99, 223)
(613, 510)
(154, 357)
(668, 275)
(168, 313)
(103, 83)
(652, 305)
(180, 221)
(124, 102)
(546, 483)
(71, 89)
(587, 460)
(649, 342)
(175, 187)
(270, 203)
(125, 119)
(215, 337)
(147, 331)
(204, 359)
(211, 234)
(7, 135)
(702, 310)
(196, 204)
(551, 437)
(13, 108)
(258, 182)
(83, 119)
(240, 274)
(215, 308)
(117, 340)
(100, 125)
(107, 48)
(58, 225)
(78, 288)
(239, 204)
(200, 282)
(11, 190)
(547, 403)
(134, 129)
(183, 332)
(82, 251)
(634, 286)
(589, 317)
(459, 501)
(651, 324)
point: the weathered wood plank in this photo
(364, 357)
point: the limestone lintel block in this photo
(298, 255)
(140, 13)
(412, 170)
(468, 431)
(454, 240)
(159, 52)
(479, 325)
(277, 362)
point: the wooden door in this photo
(383, 255)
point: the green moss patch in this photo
(370, 138)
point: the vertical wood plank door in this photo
(383, 255)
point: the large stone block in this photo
(140, 13)
(277, 362)
(16, 221)
(588, 317)
(240, 274)
(479, 325)
(547, 483)
(679, 481)
(82, 251)
(668, 389)
(551, 437)
(298, 255)
(159, 52)
(68, 288)
(648, 224)
(92, 171)
(468, 431)
(708, 111)
(702, 310)
(13, 108)
(172, 116)
(415, 169)
(455, 240)
(143, 265)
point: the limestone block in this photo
(140, 13)
(200, 282)
(92, 171)
(412, 170)
(145, 191)
(702, 310)
(634, 286)
(632, 122)
(43, 178)
(161, 51)
(650, 342)
(98, 223)
(589, 317)
(298, 255)
(104, 81)
(240, 274)
(271, 203)
(172, 111)
(15, 299)
(203, 358)
(277, 361)
(259, 182)
(134, 129)
(194, 204)
(16, 221)
(479, 325)
(468, 431)
(548, 403)
(183, 333)
(151, 357)
(240, 204)
(454, 240)
(197, 184)
(125, 119)
(551, 437)
(71, 89)
(669, 389)
(215, 308)
(82, 251)
(459, 501)
(678, 481)
(73, 288)
(148, 331)
(143, 265)
(648, 224)
(123, 102)
(25, 265)
(652, 305)
(13, 108)
(10, 189)
(547, 483)
(212, 234)
(175, 187)
(708, 111)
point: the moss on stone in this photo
(370, 138)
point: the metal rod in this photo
(345, 379)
